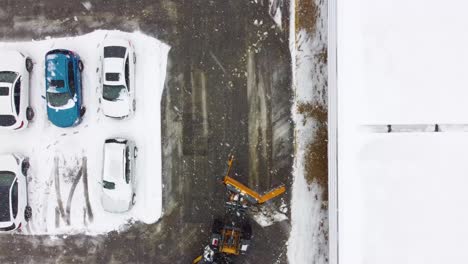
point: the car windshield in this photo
(112, 92)
(8, 77)
(58, 99)
(7, 120)
(108, 185)
(114, 52)
(6, 179)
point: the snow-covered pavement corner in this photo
(308, 242)
(66, 164)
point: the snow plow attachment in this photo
(197, 260)
(249, 194)
(232, 236)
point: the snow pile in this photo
(309, 219)
(87, 5)
(66, 164)
(413, 191)
(268, 215)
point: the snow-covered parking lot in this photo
(64, 180)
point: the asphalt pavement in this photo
(228, 91)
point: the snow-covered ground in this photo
(309, 220)
(402, 195)
(409, 70)
(63, 160)
(412, 198)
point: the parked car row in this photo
(118, 183)
(63, 85)
(64, 100)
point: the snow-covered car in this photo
(118, 75)
(14, 208)
(118, 176)
(15, 112)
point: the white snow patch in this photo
(399, 71)
(274, 6)
(87, 5)
(268, 216)
(46, 144)
(409, 186)
(309, 220)
(402, 196)
(70, 103)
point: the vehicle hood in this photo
(64, 116)
(12, 60)
(117, 200)
(6, 107)
(118, 108)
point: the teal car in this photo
(64, 88)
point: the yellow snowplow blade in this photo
(272, 194)
(248, 193)
(251, 195)
(242, 189)
(195, 261)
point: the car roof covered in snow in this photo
(114, 71)
(114, 52)
(57, 70)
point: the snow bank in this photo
(307, 242)
(57, 189)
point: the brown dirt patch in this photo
(306, 15)
(323, 56)
(317, 152)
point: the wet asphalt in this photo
(227, 91)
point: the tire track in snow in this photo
(59, 207)
(70, 194)
(88, 211)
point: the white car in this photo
(118, 78)
(118, 176)
(14, 208)
(15, 112)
